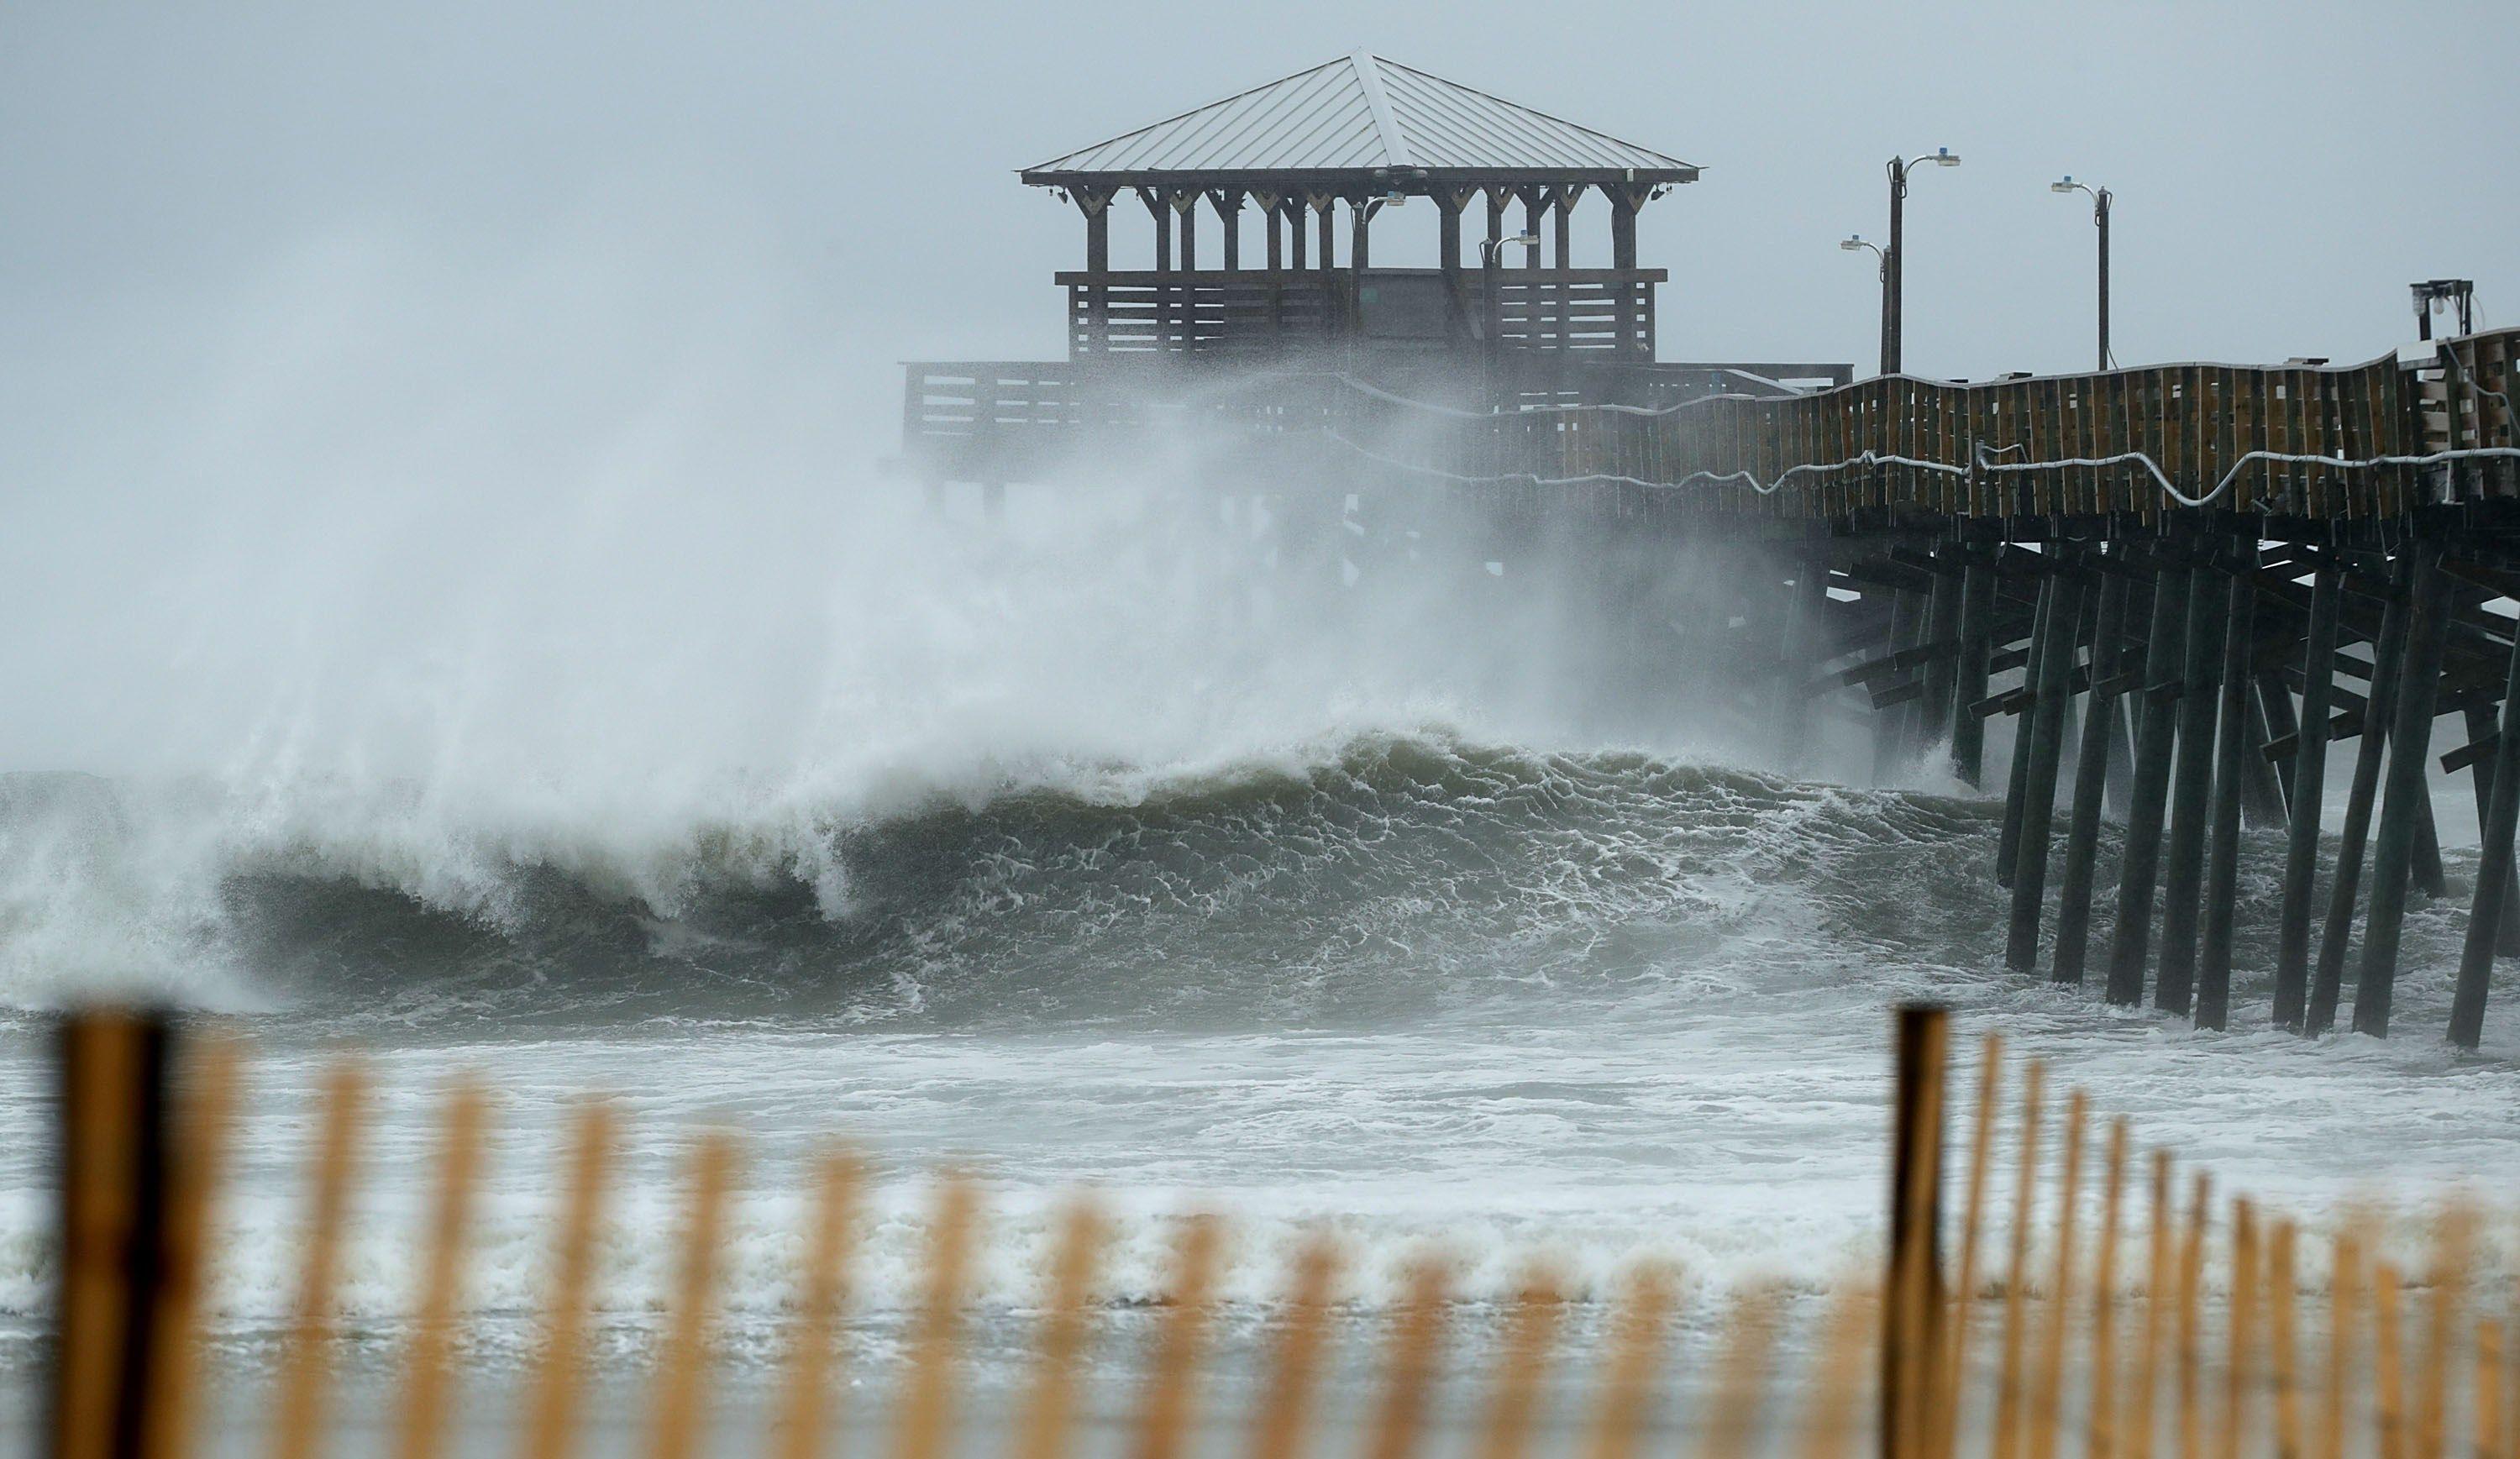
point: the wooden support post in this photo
(2237, 744)
(2410, 753)
(1805, 600)
(2090, 781)
(1914, 1299)
(1941, 626)
(2008, 844)
(2480, 722)
(1889, 744)
(2309, 786)
(1228, 202)
(1296, 237)
(2130, 949)
(111, 1159)
(2261, 792)
(2327, 976)
(1360, 223)
(2275, 722)
(1970, 671)
(2191, 793)
(2489, 916)
(2051, 698)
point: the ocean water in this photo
(1117, 850)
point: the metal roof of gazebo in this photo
(1357, 117)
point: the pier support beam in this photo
(2051, 697)
(2489, 916)
(2090, 783)
(2481, 727)
(1942, 627)
(2140, 865)
(1889, 726)
(2191, 792)
(1970, 671)
(2329, 975)
(2231, 752)
(2008, 844)
(2410, 753)
(2308, 797)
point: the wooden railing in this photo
(1250, 312)
(2289, 440)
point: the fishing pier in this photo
(2168, 596)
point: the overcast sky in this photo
(486, 191)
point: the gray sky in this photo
(507, 189)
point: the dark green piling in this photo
(2008, 844)
(1970, 671)
(2329, 975)
(2495, 902)
(2044, 723)
(2092, 775)
(2190, 793)
(2410, 753)
(2237, 744)
(2157, 710)
(2309, 785)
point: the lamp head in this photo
(1524, 241)
(2066, 184)
(1854, 243)
(1944, 156)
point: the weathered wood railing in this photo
(2289, 440)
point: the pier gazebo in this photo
(1364, 134)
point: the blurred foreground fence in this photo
(1905, 1363)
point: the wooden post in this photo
(1228, 202)
(1889, 745)
(1805, 601)
(1942, 627)
(1360, 219)
(2016, 791)
(2090, 781)
(2046, 726)
(2309, 786)
(1162, 209)
(2191, 791)
(111, 1155)
(1295, 233)
(2222, 860)
(1970, 671)
(2328, 974)
(2130, 949)
(2409, 749)
(1911, 1313)
(1097, 208)
(1623, 203)
(2480, 720)
(2494, 904)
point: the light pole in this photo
(2100, 219)
(1855, 243)
(1489, 249)
(1894, 259)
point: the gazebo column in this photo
(1162, 208)
(1623, 203)
(1186, 203)
(1331, 313)
(1097, 208)
(1295, 234)
(1360, 219)
(1449, 203)
(1228, 202)
(1561, 329)
(1268, 204)
(1493, 258)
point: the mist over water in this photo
(637, 734)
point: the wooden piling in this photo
(2481, 722)
(2236, 745)
(2308, 792)
(2090, 784)
(2494, 904)
(2017, 793)
(2409, 755)
(1942, 629)
(2138, 865)
(2328, 974)
(1976, 646)
(2191, 793)
(2046, 718)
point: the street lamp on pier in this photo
(1895, 257)
(2100, 199)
